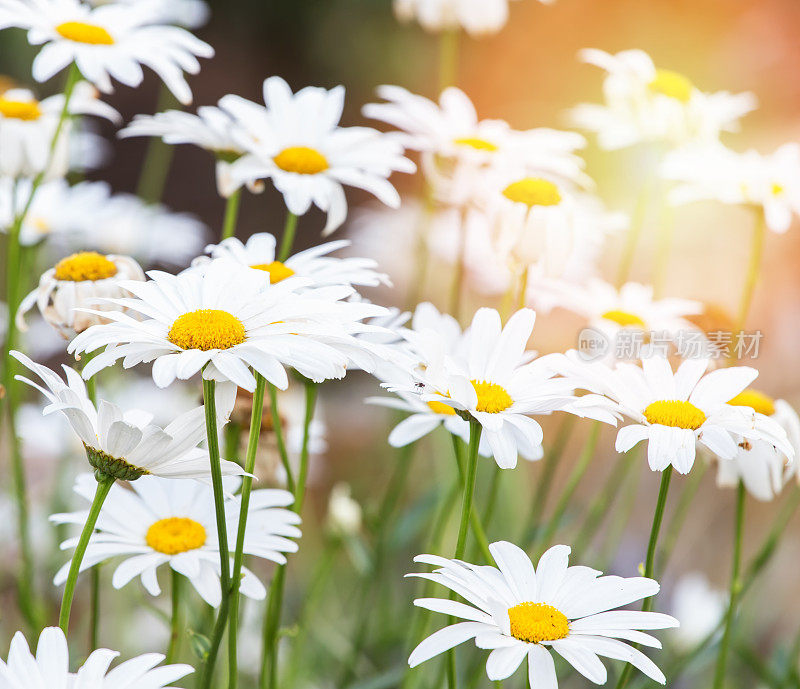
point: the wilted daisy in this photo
(314, 264)
(644, 103)
(126, 445)
(223, 320)
(478, 17)
(296, 141)
(759, 464)
(76, 283)
(698, 607)
(211, 129)
(519, 613)
(675, 411)
(104, 42)
(769, 183)
(27, 128)
(162, 522)
(50, 667)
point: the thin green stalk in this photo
(158, 157)
(457, 288)
(231, 214)
(649, 567)
(494, 494)
(175, 617)
(523, 288)
(104, 484)
(302, 474)
(474, 518)
(277, 428)
(681, 513)
(735, 588)
(94, 608)
(572, 484)
(222, 530)
(289, 231)
(238, 555)
(448, 58)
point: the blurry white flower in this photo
(521, 613)
(191, 14)
(698, 607)
(167, 522)
(646, 104)
(314, 264)
(478, 17)
(770, 183)
(111, 41)
(296, 141)
(50, 667)
(27, 128)
(344, 513)
(76, 283)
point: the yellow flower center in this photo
(476, 143)
(441, 408)
(302, 160)
(675, 413)
(492, 398)
(27, 110)
(755, 399)
(86, 265)
(623, 318)
(537, 622)
(80, 32)
(533, 191)
(207, 329)
(777, 189)
(277, 271)
(175, 535)
(672, 84)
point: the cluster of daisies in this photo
(515, 214)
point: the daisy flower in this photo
(644, 103)
(296, 141)
(675, 411)
(344, 517)
(493, 380)
(314, 264)
(477, 17)
(698, 607)
(191, 14)
(222, 321)
(28, 126)
(519, 612)
(125, 445)
(162, 522)
(210, 129)
(50, 666)
(76, 282)
(104, 42)
(759, 464)
(769, 183)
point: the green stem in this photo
(302, 474)
(469, 487)
(572, 484)
(474, 518)
(277, 428)
(104, 484)
(448, 58)
(649, 567)
(94, 611)
(523, 288)
(289, 231)
(238, 555)
(735, 589)
(222, 529)
(175, 618)
(457, 287)
(231, 214)
(680, 514)
(158, 158)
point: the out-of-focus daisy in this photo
(519, 613)
(75, 283)
(315, 264)
(698, 607)
(162, 522)
(27, 128)
(768, 182)
(478, 17)
(344, 515)
(494, 380)
(644, 103)
(759, 464)
(296, 141)
(50, 666)
(104, 42)
(223, 320)
(126, 445)
(675, 411)
(191, 14)
(210, 129)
